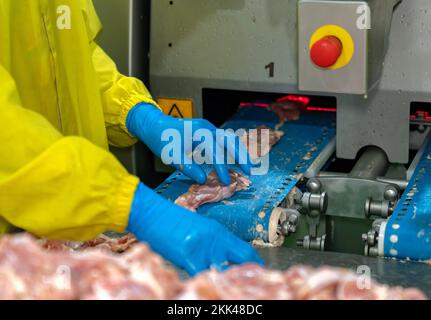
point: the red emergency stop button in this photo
(325, 52)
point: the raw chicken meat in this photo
(256, 143)
(59, 245)
(247, 282)
(116, 245)
(252, 282)
(102, 242)
(287, 110)
(212, 191)
(27, 271)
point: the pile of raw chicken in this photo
(37, 269)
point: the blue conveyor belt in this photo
(408, 231)
(248, 212)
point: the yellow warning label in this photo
(178, 108)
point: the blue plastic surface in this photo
(408, 231)
(248, 212)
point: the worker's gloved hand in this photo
(151, 126)
(188, 240)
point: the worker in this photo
(62, 101)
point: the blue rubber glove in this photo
(148, 123)
(188, 240)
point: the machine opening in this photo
(420, 115)
(219, 105)
(420, 123)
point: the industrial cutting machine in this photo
(353, 173)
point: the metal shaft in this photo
(402, 184)
(372, 164)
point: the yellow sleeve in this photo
(53, 186)
(119, 93)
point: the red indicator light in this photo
(321, 109)
(300, 99)
(258, 104)
(425, 115)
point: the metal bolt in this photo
(323, 202)
(315, 204)
(289, 225)
(314, 185)
(371, 238)
(284, 229)
(373, 252)
(391, 193)
(367, 207)
(377, 208)
(377, 224)
(322, 243)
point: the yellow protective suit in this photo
(61, 101)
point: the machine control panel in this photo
(333, 46)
